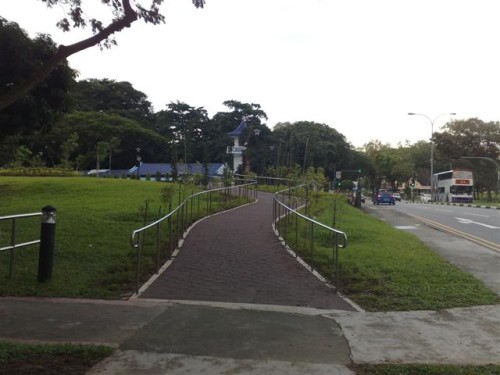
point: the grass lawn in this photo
(95, 217)
(386, 269)
(382, 269)
(419, 369)
(49, 359)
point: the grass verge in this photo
(419, 369)
(95, 217)
(49, 359)
(383, 268)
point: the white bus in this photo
(455, 186)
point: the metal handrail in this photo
(13, 245)
(282, 211)
(182, 211)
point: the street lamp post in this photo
(432, 121)
(138, 163)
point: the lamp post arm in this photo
(432, 140)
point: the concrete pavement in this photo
(166, 337)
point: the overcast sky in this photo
(358, 66)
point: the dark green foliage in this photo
(19, 56)
(95, 127)
(184, 126)
(423, 369)
(49, 359)
(93, 256)
(311, 144)
(104, 95)
(384, 269)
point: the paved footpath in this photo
(236, 257)
(234, 301)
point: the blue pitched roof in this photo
(237, 132)
(166, 168)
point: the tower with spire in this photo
(237, 150)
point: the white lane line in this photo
(466, 213)
(468, 221)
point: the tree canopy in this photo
(104, 95)
(19, 56)
(125, 13)
(306, 144)
(471, 138)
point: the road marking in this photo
(405, 227)
(470, 237)
(468, 221)
(465, 213)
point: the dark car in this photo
(384, 197)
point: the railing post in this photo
(13, 244)
(169, 223)
(138, 269)
(312, 246)
(296, 235)
(158, 242)
(47, 243)
(336, 262)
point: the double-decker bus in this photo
(455, 186)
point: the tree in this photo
(20, 55)
(104, 95)
(101, 150)
(397, 165)
(94, 127)
(113, 147)
(184, 125)
(386, 160)
(307, 144)
(23, 157)
(472, 137)
(224, 122)
(125, 14)
(67, 148)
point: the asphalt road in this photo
(465, 251)
(480, 222)
(474, 223)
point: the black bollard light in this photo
(47, 242)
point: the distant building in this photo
(107, 172)
(165, 169)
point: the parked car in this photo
(397, 196)
(425, 198)
(384, 197)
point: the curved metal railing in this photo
(299, 232)
(13, 246)
(178, 220)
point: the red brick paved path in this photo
(236, 257)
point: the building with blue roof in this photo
(165, 169)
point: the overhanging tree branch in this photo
(15, 91)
